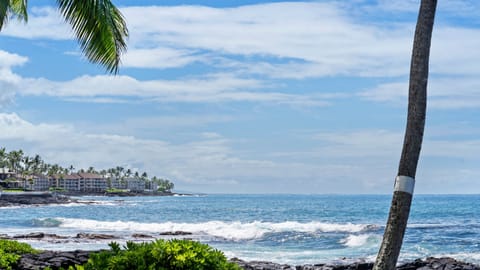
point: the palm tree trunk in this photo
(417, 104)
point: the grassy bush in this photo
(11, 251)
(161, 255)
(115, 190)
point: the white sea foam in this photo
(432, 225)
(355, 240)
(221, 229)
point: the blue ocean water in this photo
(294, 229)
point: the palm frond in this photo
(12, 8)
(100, 29)
(19, 9)
(4, 7)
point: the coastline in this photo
(10, 199)
(64, 259)
(282, 229)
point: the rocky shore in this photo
(8, 199)
(56, 260)
(419, 264)
(121, 194)
(24, 198)
(64, 259)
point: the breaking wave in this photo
(46, 222)
(220, 229)
(359, 240)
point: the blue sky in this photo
(249, 96)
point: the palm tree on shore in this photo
(3, 157)
(417, 104)
(128, 173)
(14, 159)
(97, 24)
(71, 169)
(37, 164)
(91, 170)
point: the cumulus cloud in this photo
(443, 93)
(162, 57)
(211, 163)
(319, 35)
(303, 39)
(110, 89)
(43, 23)
(8, 79)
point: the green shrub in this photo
(160, 255)
(11, 251)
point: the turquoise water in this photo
(282, 228)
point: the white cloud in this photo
(320, 34)
(209, 163)
(210, 89)
(43, 23)
(6, 97)
(121, 89)
(455, 51)
(8, 79)
(8, 60)
(159, 58)
(198, 160)
(399, 6)
(304, 39)
(443, 93)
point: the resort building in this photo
(151, 186)
(117, 183)
(37, 182)
(68, 182)
(135, 184)
(6, 173)
(130, 183)
(76, 182)
(79, 182)
(92, 182)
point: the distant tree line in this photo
(19, 163)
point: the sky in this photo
(250, 96)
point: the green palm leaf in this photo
(14, 8)
(100, 29)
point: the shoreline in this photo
(249, 228)
(63, 259)
(11, 199)
(58, 258)
(8, 199)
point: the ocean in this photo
(293, 229)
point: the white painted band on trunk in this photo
(404, 183)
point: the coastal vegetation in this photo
(15, 166)
(160, 254)
(11, 251)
